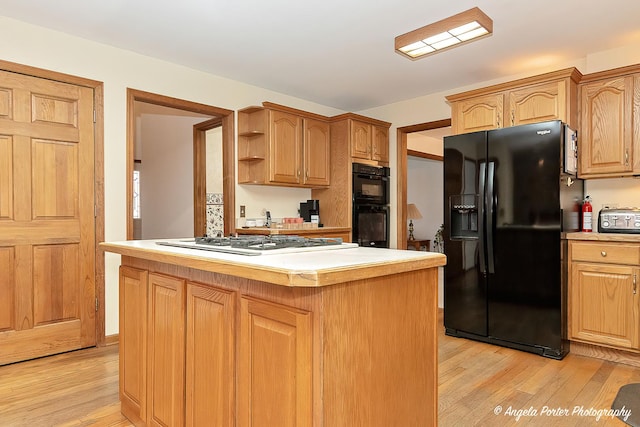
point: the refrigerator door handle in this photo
(481, 184)
(490, 208)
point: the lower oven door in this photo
(371, 225)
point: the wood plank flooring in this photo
(81, 388)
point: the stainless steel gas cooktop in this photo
(260, 245)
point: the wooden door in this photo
(317, 153)
(606, 127)
(285, 148)
(274, 375)
(539, 103)
(47, 223)
(480, 113)
(605, 305)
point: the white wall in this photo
(166, 175)
(120, 69)
(434, 107)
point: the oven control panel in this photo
(625, 220)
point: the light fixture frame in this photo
(450, 23)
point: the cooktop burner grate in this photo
(260, 243)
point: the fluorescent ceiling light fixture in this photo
(453, 31)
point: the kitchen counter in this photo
(603, 237)
(319, 268)
(333, 232)
(331, 338)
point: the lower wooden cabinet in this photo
(165, 351)
(178, 356)
(274, 371)
(603, 294)
(133, 343)
(210, 356)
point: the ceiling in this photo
(339, 53)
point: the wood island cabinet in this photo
(551, 96)
(133, 343)
(210, 356)
(165, 351)
(609, 138)
(282, 146)
(603, 294)
(275, 359)
(220, 340)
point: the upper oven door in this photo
(370, 189)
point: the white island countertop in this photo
(304, 269)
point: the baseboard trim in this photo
(605, 353)
(112, 339)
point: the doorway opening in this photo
(167, 141)
(436, 129)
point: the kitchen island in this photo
(340, 337)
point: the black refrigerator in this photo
(509, 194)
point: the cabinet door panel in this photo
(479, 113)
(606, 129)
(538, 103)
(285, 148)
(361, 139)
(604, 308)
(275, 382)
(380, 149)
(165, 373)
(209, 356)
(133, 343)
(317, 146)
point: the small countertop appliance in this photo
(624, 220)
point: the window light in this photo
(447, 33)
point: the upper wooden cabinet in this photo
(549, 96)
(362, 139)
(609, 138)
(282, 146)
(369, 141)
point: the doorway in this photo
(165, 173)
(438, 129)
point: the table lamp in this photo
(412, 213)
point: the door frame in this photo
(200, 175)
(226, 118)
(98, 141)
(401, 155)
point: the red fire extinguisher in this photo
(587, 215)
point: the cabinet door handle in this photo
(298, 173)
(513, 117)
(498, 120)
(635, 284)
(626, 157)
(603, 253)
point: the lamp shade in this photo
(413, 212)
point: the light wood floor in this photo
(81, 388)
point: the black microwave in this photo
(370, 184)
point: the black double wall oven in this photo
(370, 205)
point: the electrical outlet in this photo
(263, 212)
(242, 211)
